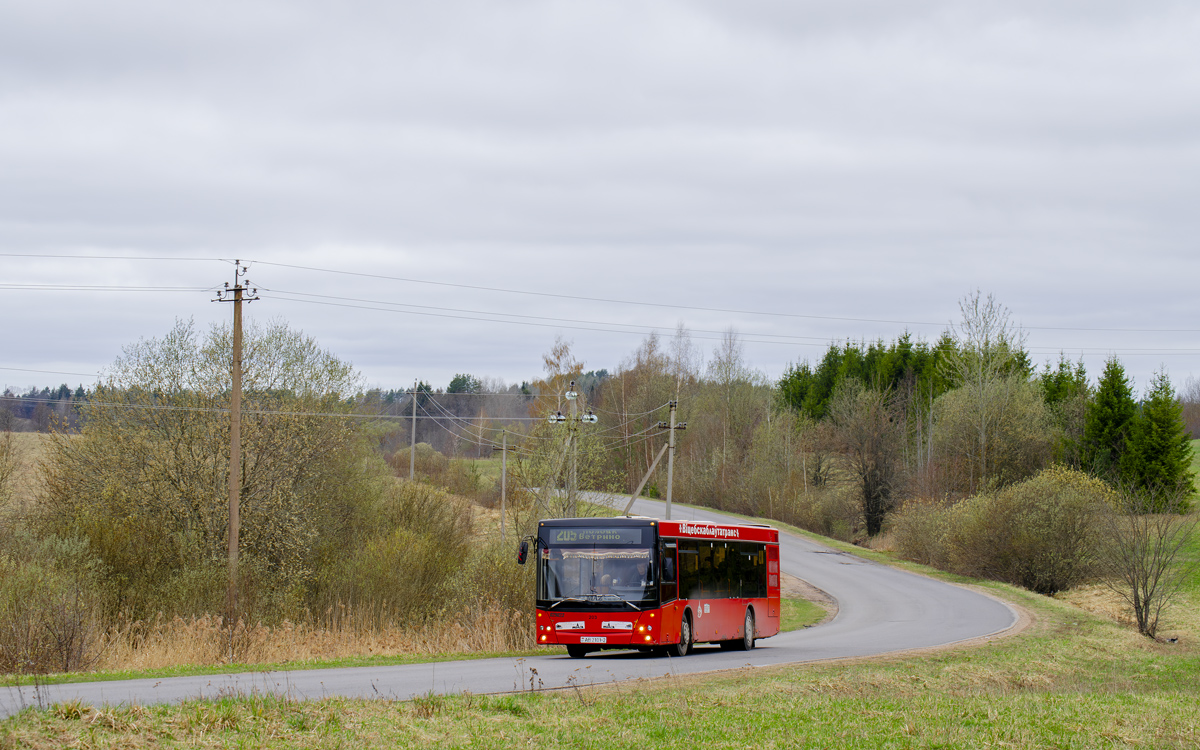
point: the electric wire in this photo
(575, 297)
(388, 306)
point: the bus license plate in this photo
(593, 639)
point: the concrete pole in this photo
(412, 443)
(573, 476)
(670, 458)
(503, 478)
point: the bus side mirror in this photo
(522, 552)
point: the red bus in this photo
(647, 584)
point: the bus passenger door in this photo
(772, 580)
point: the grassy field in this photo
(31, 447)
(1196, 464)
(1073, 679)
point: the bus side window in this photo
(689, 569)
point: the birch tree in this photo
(989, 353)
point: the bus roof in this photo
(696, 529)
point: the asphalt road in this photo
(880, 610)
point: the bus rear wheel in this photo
(576, 652)
(747, 641)
(685, 638)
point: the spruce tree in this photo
(1109, 417)
(1159, 454)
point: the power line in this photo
(52, 372)
(525, 292)
(103, 288)
(747, 340)
(86, 402)
(696, 308)
(390, 305)
(113, 257)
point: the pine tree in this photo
(1159, 453)
(1109, 417)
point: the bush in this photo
(51, 605)
(1042, 534)
(427, 463)
(411, 544)
(919, 532)
(834, 511)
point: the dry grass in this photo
(1181, 618)
(202, 641)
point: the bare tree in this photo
(865, 421)
(1146, 566)
(989, 349)
(1189, 396)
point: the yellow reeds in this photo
(339, 633)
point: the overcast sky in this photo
(801, 172)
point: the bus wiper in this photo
(591, 598)
(609, 597)
(568, 599)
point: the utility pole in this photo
(671, 450)
(573, 471)
(412, 443)
(572, 445)
(235, 432)
(503, 479)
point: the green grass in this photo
(486, 468)
(1196, 464)
(192, 670)
(798, 613)
(1071, 681)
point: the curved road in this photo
(880, 610)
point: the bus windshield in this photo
(597, 570)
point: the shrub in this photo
(1042, 534)
(919, 532)
(834, 511)
(427, 463)
(51, 604)
(412, 541)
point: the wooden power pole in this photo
(237, 297)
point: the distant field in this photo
(1196, 463)
(32, 447)
(487, 468)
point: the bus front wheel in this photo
(685, 638)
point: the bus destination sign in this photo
(596, 536)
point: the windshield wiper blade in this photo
(593, 598)
(568, 599)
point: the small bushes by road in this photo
(1044, 534)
